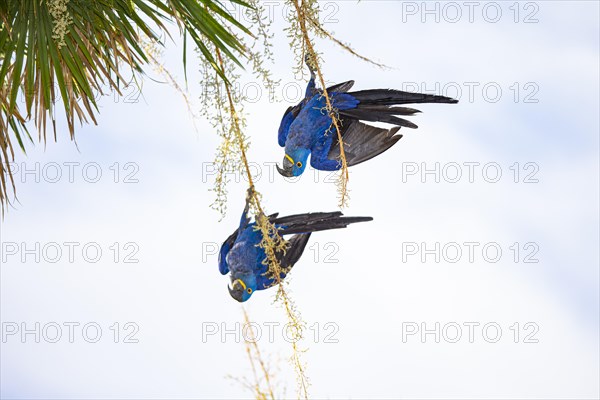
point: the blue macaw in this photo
(306, 128)
(242, 258)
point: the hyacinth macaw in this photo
(306, 128)
(242, 258)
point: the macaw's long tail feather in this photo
(378, 115)
(374, 105)
(391, 97)
(363, 142)
(313, 222)
(390, 110)
(341, 87)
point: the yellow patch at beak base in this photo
(241, 283)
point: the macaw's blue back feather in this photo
(292, 112)
(342, 101)
(313, 122)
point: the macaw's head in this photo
(242, 288)
(294, 162)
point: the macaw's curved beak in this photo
(287, 169)
(236, 293)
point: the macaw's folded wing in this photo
(363, 142)
(294, 251)
(225, 247)
(287, 260)
(230, 241)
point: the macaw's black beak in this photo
(236, 293)
(287, 168)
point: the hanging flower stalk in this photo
(272, 242)
(304, 20)
(307, 11)
(154, 52)
(255, 357)
(229, 121)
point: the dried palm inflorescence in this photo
(154, 51)
(61, 19)
(255, 357)
(304, 20)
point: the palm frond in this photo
(80, 47)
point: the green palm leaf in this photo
(79, 45)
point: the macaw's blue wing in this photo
(225, 247)
(230, 241)
(284, 127)
(294, 251)
(301, 226)
(287, 260)
(292, 112)
(362, 142)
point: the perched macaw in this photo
(306, 128)
(242, 258)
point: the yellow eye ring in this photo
(249, 290)
(299, 164)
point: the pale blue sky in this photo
(370, 294)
